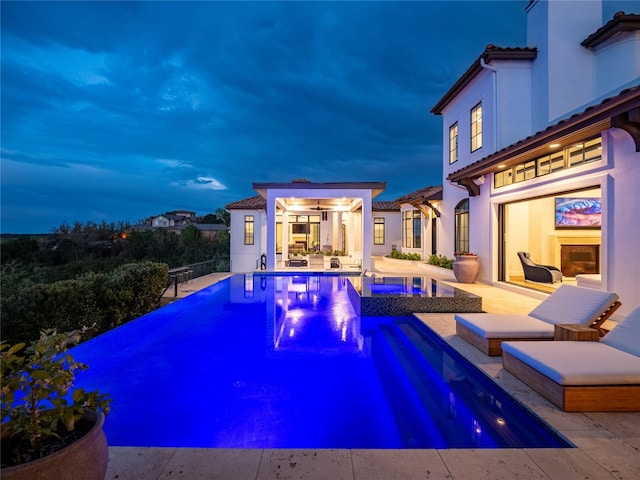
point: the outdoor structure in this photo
(316, 218)
(302, 217)
(541, 151)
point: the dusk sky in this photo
(120, 110)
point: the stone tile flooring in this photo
(608, 444)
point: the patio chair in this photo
(599, 376)
(538, 273)
(568, 304)
(334, 262)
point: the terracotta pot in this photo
(85, 459)
(466, 268)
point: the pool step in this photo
(417, 428)
(413, 360)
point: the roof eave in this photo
(490, 54)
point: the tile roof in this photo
(253, 203)
(385, 207)
(621, 22)
(491, 53)
(426, 193)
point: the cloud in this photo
(126, 107)
(202, 183)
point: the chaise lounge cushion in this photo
(578, 363)
(571, 304)
(568, 304)
(626, 335)
(615, 360)
(488, 325)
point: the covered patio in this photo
(317, 226)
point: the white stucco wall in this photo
(392, 230)
(622, 55)
(244, 257)
(623, 222)
(564, 70)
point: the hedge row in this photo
(104, 299)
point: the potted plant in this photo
(50, 430)
(466, 267)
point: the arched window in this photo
(462, 226)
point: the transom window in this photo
(572, 156)
(453, 143)
(476, 127)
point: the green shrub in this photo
(440, 261)
(405, 256)
(105, 300)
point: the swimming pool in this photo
(284, 362)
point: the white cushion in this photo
(500, 325)
(578, 363)
(571, 304)
(626, 335)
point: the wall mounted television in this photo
(578, 212)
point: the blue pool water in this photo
(284, 362)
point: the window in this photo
(248, 230)
(572, 156)
(462, 226)
(378, 230)
(453, 143)
(476, 127)
(585, 152)
(411, 229)
(417, 229)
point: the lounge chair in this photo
(599, 376)
(568, 304)
(538, 273)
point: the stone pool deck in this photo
(608, 444)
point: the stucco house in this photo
(541, 151)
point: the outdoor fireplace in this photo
(577, 259)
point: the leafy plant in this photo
(441, 261)
(405, 256)
(39, 402)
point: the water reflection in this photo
(312, 314)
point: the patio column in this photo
(367, 233)
(271, 231)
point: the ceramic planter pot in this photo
(85, 459)
(466, 268)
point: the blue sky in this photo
(120, 110)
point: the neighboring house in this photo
(541, 150)
(169, 220)
(177, 220)
(329, 217)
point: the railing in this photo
(186, 273)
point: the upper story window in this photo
(378, 230)
(453, 143)
(476, 127)
(248, 230)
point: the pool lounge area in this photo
(607, 443)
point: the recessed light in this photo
(502, 165)
(554, 145)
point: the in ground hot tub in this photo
(404, 296)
